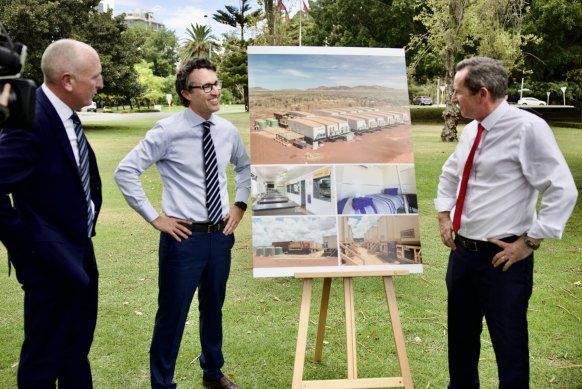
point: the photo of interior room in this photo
(376, 189)
(374, 240)
(279, 190)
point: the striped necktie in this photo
(213, 204)
(84, 169)
(465, 181)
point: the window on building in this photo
(322, 188)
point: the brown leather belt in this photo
(481, 245)
(205, 227)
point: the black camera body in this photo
(21, 102)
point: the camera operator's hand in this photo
(4, 112)
(5, 94)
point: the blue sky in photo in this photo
(303, 71)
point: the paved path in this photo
(97, 117)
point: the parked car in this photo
(530, 101)
(90, 108)
(422, 100)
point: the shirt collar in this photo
(491, 119)
(195, 119)
(63, 110)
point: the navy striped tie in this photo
(213, 204)
(84, 169)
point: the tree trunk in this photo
(451, 112)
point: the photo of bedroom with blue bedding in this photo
(385, 189)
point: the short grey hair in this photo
(63, 55)
(485, 72)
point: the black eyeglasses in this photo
(207, 88)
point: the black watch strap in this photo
(241, 204)
(530, 243)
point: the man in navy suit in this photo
(48, 225)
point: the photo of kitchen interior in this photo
(279, 190)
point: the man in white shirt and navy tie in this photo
(505, 158)
(192, 150)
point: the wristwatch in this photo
(530, 243)
(241, 204)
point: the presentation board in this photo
(333, 180)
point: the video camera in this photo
(22, 93)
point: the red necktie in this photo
(465, 180)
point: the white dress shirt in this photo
(65, 112)
(174, 144)
(517, 159)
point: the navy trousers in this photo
(59, 322)
(200, 262)
(477, 289)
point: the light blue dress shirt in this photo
(174, 144)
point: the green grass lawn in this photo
(261, 315)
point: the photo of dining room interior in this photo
(279, 190)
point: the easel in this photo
(352, 381)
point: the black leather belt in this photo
(205, 227)
(481, 245)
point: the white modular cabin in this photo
(371, 122)
(357, 124)
(300, 114)
(309, 129)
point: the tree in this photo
(558, 57)
(456, 28)
(446, 34)
(361, 23)
(201, 43)
(159, 49)
(37, 23)
(153, 85)
(235, 17)
(233, 70)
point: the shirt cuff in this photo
(444, 204)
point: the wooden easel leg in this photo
(322, 319)
(350, 328)
(302, 333)
(398, 334)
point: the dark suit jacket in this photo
(45, 226)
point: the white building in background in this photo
(139, 17)
(106, 5)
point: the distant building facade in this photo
(106, 5)
(139, 17)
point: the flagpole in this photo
(300, 14)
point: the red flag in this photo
(281, 7)
(305, 9)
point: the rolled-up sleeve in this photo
(147, 152)
(242, 166)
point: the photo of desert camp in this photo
(380, 240)
(283, 246)
(321, 105)
(376, 189)
(292, 190)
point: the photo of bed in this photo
(376, 189)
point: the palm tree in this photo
(201, 43)
(237, 17)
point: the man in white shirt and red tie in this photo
(505, 158)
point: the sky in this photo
(271, 229)
(308, 67)
(177, 15)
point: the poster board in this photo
(333, 183)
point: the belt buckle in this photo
(472, 246)
(213, 228)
